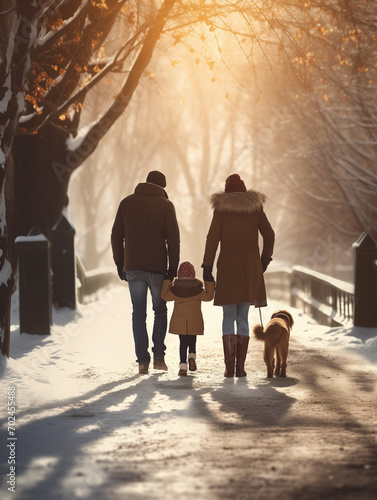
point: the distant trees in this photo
(321, 141)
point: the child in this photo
(187, 320)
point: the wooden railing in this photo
(91, 283)
(325, 299)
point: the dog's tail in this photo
(259, 333)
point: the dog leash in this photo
(260, 317)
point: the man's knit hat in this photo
(186, 270)
(156, 177)
(234, 184)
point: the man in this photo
(145, 245)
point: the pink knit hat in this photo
(186, 270)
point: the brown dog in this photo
(276, 339)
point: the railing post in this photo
(63, 264)
(34, 268)
(365, 299)
(293, 288)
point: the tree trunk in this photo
(14, 67)
(6, 276)
(41, 190)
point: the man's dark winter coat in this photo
(145, 233)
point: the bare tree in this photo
(321, 134)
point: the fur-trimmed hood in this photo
(239, 202)
(187, 287)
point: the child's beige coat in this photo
(187, 294)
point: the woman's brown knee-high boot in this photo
(229, 345)
(242, 344)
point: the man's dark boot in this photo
(229, 345)
(242, 344)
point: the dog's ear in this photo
(284, 314)
(292, 322)
(290, 317)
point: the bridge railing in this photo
(327, 300)
(90, 284)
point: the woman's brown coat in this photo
(187, 294)
(238, 219)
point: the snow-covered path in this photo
(88, 426)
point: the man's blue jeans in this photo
(236, 314)
(138, 283)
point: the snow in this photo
(88, 426)
(6, 271)
(74, 143)
(43, 38)
(4, 103)
(31, 238)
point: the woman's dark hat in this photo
(234, 184)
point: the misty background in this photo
(198, 122)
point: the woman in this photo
(238, 218)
